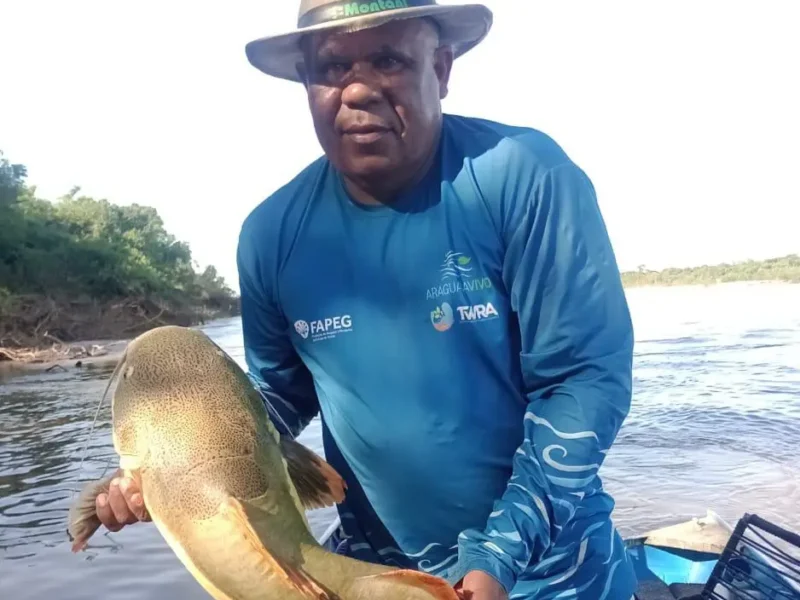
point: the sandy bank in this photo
(66, 357)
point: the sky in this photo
(683, 113)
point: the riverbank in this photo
(784, 269)
(43, 332)
(80, 268)
(80, 356)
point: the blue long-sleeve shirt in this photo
(469, 349)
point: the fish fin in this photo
(419, 586)
(317, 483)
(293, 576)
(82, 519)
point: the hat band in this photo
(345, 10)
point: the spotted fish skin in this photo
(225, 491)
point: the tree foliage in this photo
(83, 247)
(786, 268)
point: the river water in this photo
(715, 424)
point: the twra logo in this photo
(479, 312)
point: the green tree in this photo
(11, 180)
(81, 247)
(785, 268)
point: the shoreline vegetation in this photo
(784, 269)
(83, 269)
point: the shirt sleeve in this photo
(576, 355)
(274, 367)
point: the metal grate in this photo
(760, 562)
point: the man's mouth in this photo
(366, 134)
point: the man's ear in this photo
(301, 67)
(302, 73)
(443, 66)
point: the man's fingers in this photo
(133, 498)
(136, 504)
(105, 514)
(122, 505)
(116, 500)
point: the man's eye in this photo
(388, 63)
(333, 71)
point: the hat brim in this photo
(463, 27)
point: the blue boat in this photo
(707, 559)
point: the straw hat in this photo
(462, 26)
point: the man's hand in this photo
(478, 585)
(123, 505)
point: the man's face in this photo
(375, 97)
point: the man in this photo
(443, 291)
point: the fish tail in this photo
(82, 519)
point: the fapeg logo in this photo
(324, 329)
(301, 327)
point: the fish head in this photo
(179, 397)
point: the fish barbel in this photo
(225, 490)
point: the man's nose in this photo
(363, 88)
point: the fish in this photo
(225, 490)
